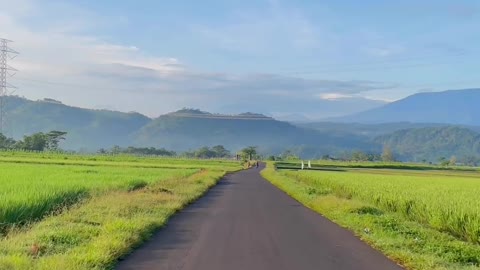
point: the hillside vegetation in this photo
(433, 143)
(191, 129)
(87, 128)
(183, 132)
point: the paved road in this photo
(246, 223)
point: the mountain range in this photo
(182, 130)
(426, 118)
(459, 107)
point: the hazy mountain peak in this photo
(452, 107)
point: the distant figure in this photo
(303, 165)
(309, 165)
(257, 164)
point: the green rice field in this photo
(424, 218)
(65, 211)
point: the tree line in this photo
(144, 151)
(206, 152)
(217, 151)
(36, 142)
(50, 141)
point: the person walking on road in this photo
(257, 164)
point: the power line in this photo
(6, 53)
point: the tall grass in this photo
(321, 164)
(30, 191)
(96, 233)
(121, 160)
(445, 203)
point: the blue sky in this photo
(215, 54)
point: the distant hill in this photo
(182, 131)
(369, 130)
(188, 129)
(90, 129)
(452, 107)
(432, 143)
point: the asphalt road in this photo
(246, 223)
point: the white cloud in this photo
(84, 70)
(333, 96)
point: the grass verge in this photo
(410, 243)
(96, 233)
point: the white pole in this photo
(303, 165)
(309, 165)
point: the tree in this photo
(116, 150)
(359, 156)
(53, 139)
(289, 155)
(387, 154)
(452, 161)
(220, 151)
(249, 152)
(34, 142)
(204, 152)
(326, 157)
(373, 157)
(6, 143)
(443, 161)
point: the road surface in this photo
(245, 223)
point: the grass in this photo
(88, 216)
(29, 191)
(52, 158)
(339, 165)
(422, 221)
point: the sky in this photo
(310, 58)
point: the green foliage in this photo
(427, 200)
(430, 221)
(431, 143)
(90, 130)
(6, 143)
(87, 128)
(289, 154)
(35, 142)
(351, 164)
(452, 161)
(204, 152)
(145, 151)
(387, 154)
(183, 133)
(220, 151)
(115, 203)
(360, 156)
(30, 191)
(53, 138)
(249, 152)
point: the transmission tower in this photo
(6, 71)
